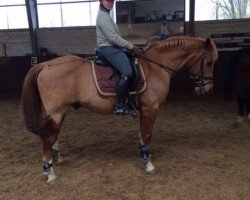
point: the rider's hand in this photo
(136, 50)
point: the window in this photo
(59, 1)
(219, 9)
(12, 2)
(13, 14)
(62, 13)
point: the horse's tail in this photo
(32, 104)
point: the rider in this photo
(164, 31)
(110, 45)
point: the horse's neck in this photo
(173, 59)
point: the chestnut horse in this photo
(51, 87)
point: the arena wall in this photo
(81, 40)
(206, 28)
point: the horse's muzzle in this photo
(202, 90)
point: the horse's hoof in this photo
(150, 168)
(150, 171)
(51, 179)
(51, 182)
(59, 160)
(51, 176)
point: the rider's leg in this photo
(120, 61)
(120, 108)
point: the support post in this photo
(31, 7)
(191, 17)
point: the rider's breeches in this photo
(117, 58)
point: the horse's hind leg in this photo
(49, 139)
(147, 119)
(56, 155)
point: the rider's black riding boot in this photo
(120, 108)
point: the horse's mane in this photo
(184, 42)
(181, 41)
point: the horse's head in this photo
(200, 67)
(196, 54)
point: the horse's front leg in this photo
(147, 119)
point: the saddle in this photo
(107, 77)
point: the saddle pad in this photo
(106, 82)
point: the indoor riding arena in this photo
(200, 144)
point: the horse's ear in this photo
(207, 43)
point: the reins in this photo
(201, 77)
(166, 68)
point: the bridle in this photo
(197, 79)
(200, 78)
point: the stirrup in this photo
(119, 111)
(130, 112)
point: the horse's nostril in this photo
(198, 91)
